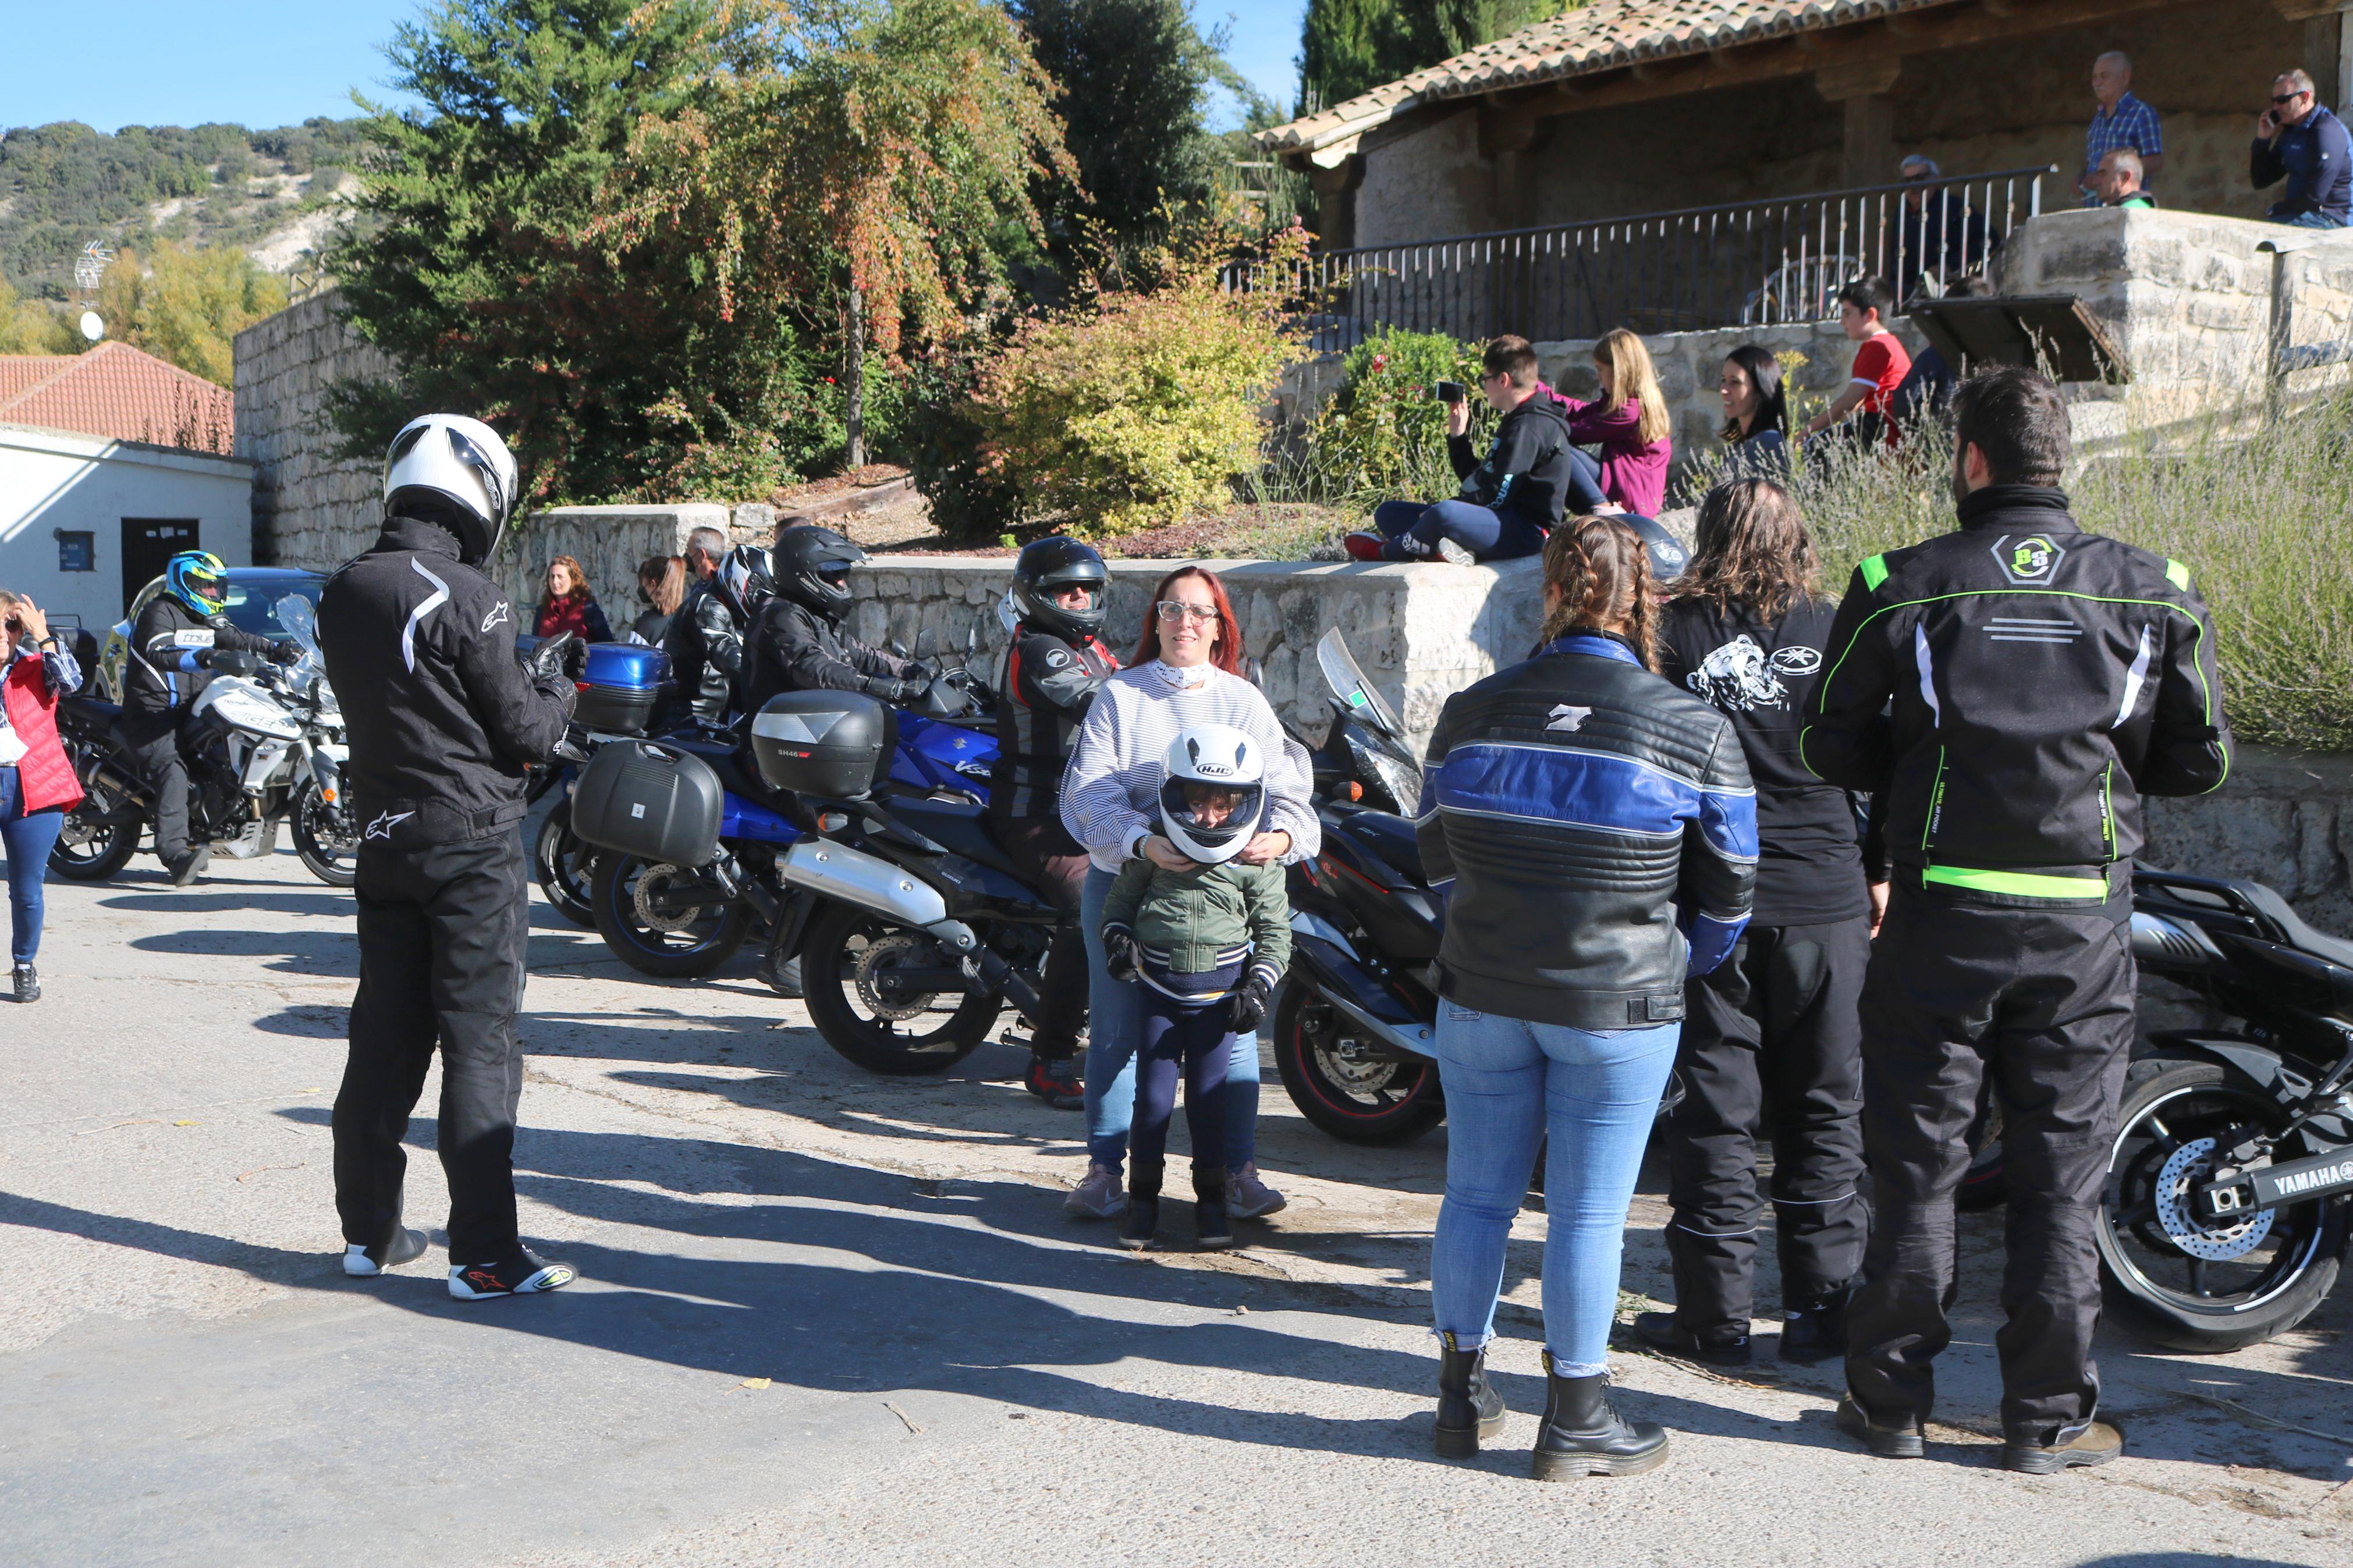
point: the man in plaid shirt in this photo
(2120, 121)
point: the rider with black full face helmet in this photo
(1052, 669)
(797, 640)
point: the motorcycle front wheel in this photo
(854, 975)
(1354, 1097)
(91, 847)
(2204, 1286)
(323, 838)
(683, 944)
(566, 865)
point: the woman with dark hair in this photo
(1755, 414)
(662, 588)
(568, 606)
(1593, 833)
(1185, 674)
(37, 785)
(1774, 1033)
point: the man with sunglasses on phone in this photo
(2298, 140)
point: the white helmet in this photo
(461, 473)
(1220, 757)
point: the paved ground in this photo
(841, 1320)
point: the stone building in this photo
(1639, 106)
(310, 509)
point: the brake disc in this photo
(651, 882)
(2191, 1164)
(880, 955)
(1343, 1059)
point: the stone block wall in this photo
(607, 541)
(307, 509)
(2283, 818)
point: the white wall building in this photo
(86, 520)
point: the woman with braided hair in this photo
(1592, 830)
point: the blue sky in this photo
(278, 62)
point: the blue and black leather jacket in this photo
(1593, 831)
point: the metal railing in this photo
(1740, 264)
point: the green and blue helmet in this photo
(199, 580)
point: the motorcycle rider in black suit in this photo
(443, 721)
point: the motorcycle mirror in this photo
(898, 649)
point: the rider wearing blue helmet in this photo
(170, 650)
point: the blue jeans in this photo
(1413, 531)
(1584, 495)
(2311, 220)
(1509, 1083)
(1114, 1029)
(28, 841)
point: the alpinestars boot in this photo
(1582, 1434)
(1468, 1408)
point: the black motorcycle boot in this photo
(1725, 1345)
(1899, 1442)
(1135, 1232)
(1583, 1434)
(28, 984)
(1468, 1408)
(1816, 1332)
(187, 868)
(1212, 1229)
(781, 975)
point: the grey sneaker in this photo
(1100, 1196)
(1249, 1198)
(1448, 551)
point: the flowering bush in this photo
(1383, 434)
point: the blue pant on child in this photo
(1187, 1040)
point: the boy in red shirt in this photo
(1879, 364)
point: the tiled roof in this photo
(1602, 36)
(118, 391)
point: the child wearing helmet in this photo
(1207, 945)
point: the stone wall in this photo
(607, 541)
(2283, 818)
(307, 509)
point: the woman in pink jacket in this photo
(37, 785)
(1628, 423)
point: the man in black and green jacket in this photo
(2014, 687)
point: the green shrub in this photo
(1132, 413)
(1383, 434)
(970, 499)
(2260, 524)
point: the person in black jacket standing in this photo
(1053, 668)
(443, 721)
(2015, 687)
(1510, 499)
(171, 647)
(1775, 1024)
(705, 642)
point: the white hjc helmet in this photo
(1222, 757)
(453, 470)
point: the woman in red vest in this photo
(38, 786)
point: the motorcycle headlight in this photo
(1402, 788)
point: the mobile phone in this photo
(1450, 392)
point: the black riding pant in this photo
(441, 932)
(153, 741)
(1053, 864)
(1771, 1034)
(2042, 1000)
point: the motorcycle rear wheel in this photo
(92, 850)
(324, 840)
(839, 941)
(566, 865)
(1356, 1101)
(707, 941)
(2253, 1290)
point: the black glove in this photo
(1248, 1005)
(285, 653)
(906, 693)
(559, 658)
(1120, 957)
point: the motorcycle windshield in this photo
(1349, 685)
(300, 617)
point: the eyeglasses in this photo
(1171, 611)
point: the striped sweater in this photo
(1111, 790)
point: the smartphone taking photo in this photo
(1450, 392)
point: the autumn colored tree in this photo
(188, 306)
(29, 327)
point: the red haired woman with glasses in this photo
(1183, 675)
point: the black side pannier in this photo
(658, 803)
(835, 744)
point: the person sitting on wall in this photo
(1510, 499)
(1756, 433)
(2118, 179)
(1927, 387)
(1938, 238)
(1881, 363)
(1629, 422)
(2299, 141)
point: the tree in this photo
(188, 306)
(1348, 47)
(843, 172)
(29, 327)
(473, 263)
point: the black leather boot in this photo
(1468, 1408)
(1583, 1436)
(1212, 1231)
(1142, 1219)
(1814, 1331)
